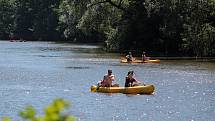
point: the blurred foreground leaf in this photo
(52, 112)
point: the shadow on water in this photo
(74, 48)
(47, 56)
(77, 67)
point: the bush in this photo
(53, 112)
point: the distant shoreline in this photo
(196, 59)
(186, 58)
(207, 59)
(210, 59)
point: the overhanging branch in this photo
(93, 4)
(120, 2)
(111, 3)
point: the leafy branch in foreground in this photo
(53, 112)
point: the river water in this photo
(36, 73)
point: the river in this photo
(36, 73)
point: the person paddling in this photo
(129, 57)
(144, 58)
(107, 79)
(130, 81)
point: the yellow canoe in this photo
(140, 61)
(147, 89)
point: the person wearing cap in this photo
(129, 57)
(130, 81)
(108, 79)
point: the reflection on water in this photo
(77, 67)
(37, 72)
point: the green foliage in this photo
(6, 119)
(28, 113)
(53, 112)
(170, 27)
(101, 19)
(70, 12)
(23, 19)
(207, 35)
(198, 31)
(6, 18)
(45, 21)
(36, 19)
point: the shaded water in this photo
(35, 73)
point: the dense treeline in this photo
(164, 27)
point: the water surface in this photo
(35, 73)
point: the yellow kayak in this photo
(147, 89)
(140, 61)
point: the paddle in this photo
(139, 83)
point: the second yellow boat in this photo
(140, 61)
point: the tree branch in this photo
(111, 3)
(120, 2)
(117, 6)
(91, 5)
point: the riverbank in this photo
(199, 59)
(100, 48)
(187, 58)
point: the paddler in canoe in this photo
(144, 58)
(132, 86)
(107, 80)
(129, 57)
(130, 81)
(148, 59)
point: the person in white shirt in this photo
(107, 80)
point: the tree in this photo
(6, 18)
(37, 19)
(198, 33)
(45, 22)
(24, 19)
(70, 12)
(102, 18)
